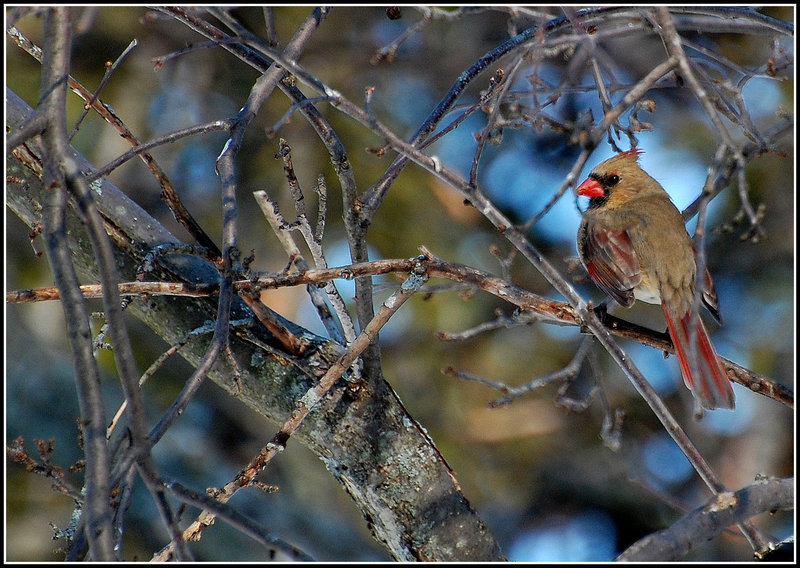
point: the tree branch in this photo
(723, 510)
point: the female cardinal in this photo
(634, 244)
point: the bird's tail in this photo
(709, 384)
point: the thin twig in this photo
(110, 68)
(235, 519)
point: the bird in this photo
(633, 243)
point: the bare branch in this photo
(723, 510)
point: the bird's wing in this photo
(612, 264)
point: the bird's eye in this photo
(612, 180)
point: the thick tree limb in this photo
(368, 441)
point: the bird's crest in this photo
(633, 153)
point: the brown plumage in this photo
(634, 245)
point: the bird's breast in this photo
(646, 291)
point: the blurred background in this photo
(537, 473)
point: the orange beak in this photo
(591, 188)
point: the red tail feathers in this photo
(711, 386)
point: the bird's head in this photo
(617, 180)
